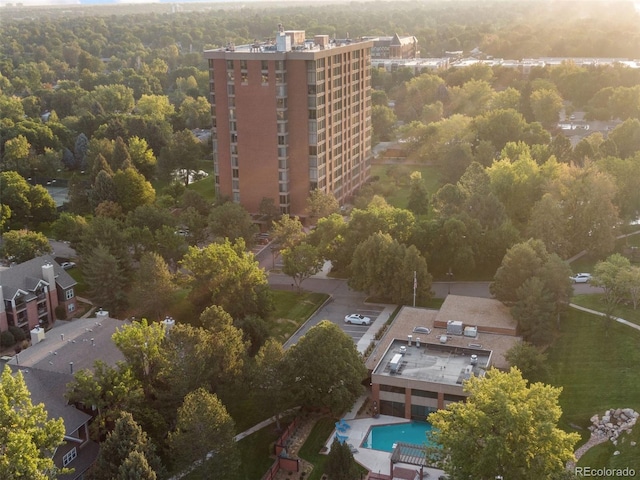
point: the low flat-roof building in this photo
(422, 361)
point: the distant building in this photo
(31, 291)
(289, 117)
(420, 364)
(394, 47)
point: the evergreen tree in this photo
(127, 437)
(340, 463)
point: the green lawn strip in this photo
(316, 440)
(596, 302)
(256, 451)
(292, 309)
(596, 362)
(81, 286)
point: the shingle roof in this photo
(27, 275)
(49, 388)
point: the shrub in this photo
(7, 339)
(61, 312)
(18, 333)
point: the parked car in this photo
(357, 319)
(581, 278)
(67, 265)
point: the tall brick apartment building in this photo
(291, 116)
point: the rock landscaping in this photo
(609, 427)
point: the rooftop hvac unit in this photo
(403, 350)
(37, 335)
(471, 332)
(443, 339)
(454, 327)
(395, 363)
(474, 359)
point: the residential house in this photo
(31, 291)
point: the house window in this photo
(71, 307)
(68, 294)
(69, 457)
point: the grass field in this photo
(292, 310)
(397, 192)
(596, 302)
(596, 362)
(310, 451)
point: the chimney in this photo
(49, 276)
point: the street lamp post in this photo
(449, 279)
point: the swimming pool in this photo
(383, 437)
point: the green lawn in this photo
(310, 451)
(596, 362)
(596, 302)
(292, 310)
(205, 187)
(397, 193)
(256, 451)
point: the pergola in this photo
(409, 454)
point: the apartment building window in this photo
(337, 58)
(282, 152)
(283, 163)
(279, 65)
(311, 89)
(264, 65)
(236, 197)
(281, 90)
(284, 199)
(231, 90)
(234, 149)
(229, 64)
(69, 457)
(68, 294)
(265, 79)
(233, 126)
(234, 138)
(282, 127)
(281, 102)
(243, 64)
(320, 63)
(280, 78)
(311, 78)
(234, 161)
(281, 115)
(230, 75)
(244, 78)
(313, 174)
(232, 102)
(235, 173)
(235, 184)
(313, 114)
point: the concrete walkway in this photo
(595, 312)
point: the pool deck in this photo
(375, 461)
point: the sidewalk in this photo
(370, 334)
(595, 312)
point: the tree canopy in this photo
(505, 428)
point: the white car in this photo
(581, 278)
(68, 265)
(357, 319)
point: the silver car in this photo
(357, 319)
(581, 278)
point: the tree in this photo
(383, 120)
(136, 467)
(321, 204)
(69, 227)
(127, 437)
(23, 245)
(301, 262)
(505, 428)
(22, 203)
(204, 434)
(529, 360)
(340, 463)
(152, 290)
(28, 438)
(546, 105)
(183, 153)
(418, 195)
(607, 274)
(141, 344)
(101, 268)
(630, 280)
(534, 311)
(142, 156)
(268, 382)
(231, 220)
(226, 274)
(310, 381)
(109, 390)
(194, 357)
(132, 189)
(384, 268)
(287, 232)
(521, 262)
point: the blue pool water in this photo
(383, 437)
